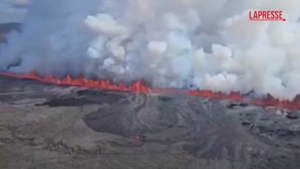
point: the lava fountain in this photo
(140, 87)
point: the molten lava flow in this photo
(140, 87)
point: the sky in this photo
(10, 13)
(16, 1)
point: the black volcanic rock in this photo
(291, 116)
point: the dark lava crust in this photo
(207, 131)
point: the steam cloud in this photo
(170, 43)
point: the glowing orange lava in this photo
(140, 87)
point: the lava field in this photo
(50, 126)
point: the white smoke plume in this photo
(169, 43)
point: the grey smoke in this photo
(169, 43)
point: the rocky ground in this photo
(46, 126)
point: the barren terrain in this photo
(48, 126)
(45, 126)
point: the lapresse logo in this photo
(266, 16)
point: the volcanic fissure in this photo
(140, 87)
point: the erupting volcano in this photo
(139, 86)
(192, 47)
(151, 84)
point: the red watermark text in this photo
(266, 16)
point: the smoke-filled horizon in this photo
(169, 43)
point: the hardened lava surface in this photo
(46, 126)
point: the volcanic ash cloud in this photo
(170, 43)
